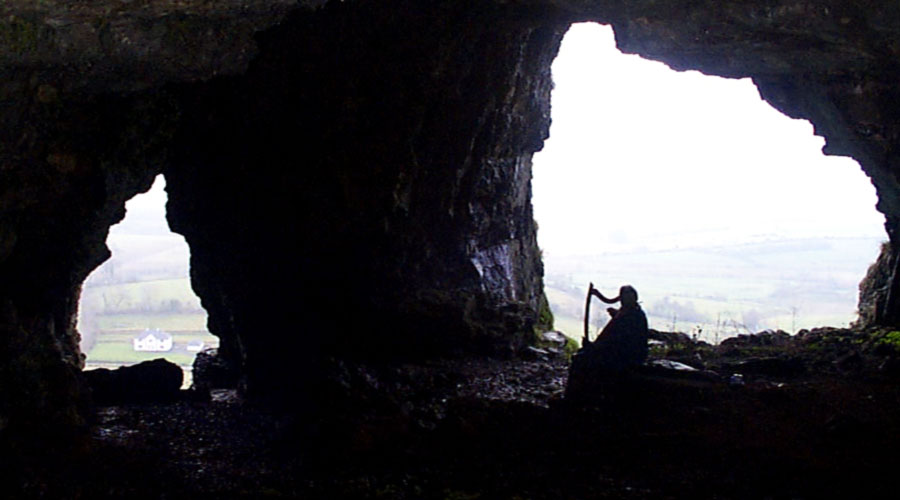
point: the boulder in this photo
(554, 337)
(670, 339)
(767, 338)
(668, 364)
(158, 380)
(211, 371)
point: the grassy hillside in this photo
(721, 291)
(112, 315)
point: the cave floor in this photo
(501, 429)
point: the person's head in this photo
(628, 295)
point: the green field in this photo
(179, 335)
(114, 314)
(168, 322)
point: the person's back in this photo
(597, 366)
(623, 342)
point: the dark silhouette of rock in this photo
(211, 371)
(670, 339)
(766, 338)
(158, 380)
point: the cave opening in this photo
(139, 305)
(720, 210)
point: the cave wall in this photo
(369, 195)
(84, 126)
(354, 179)
(67, 166)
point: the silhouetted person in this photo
(623, 341)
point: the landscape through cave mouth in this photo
(720, 210)
(139, 304)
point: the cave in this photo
(138, 305)
(754, 217)
(352, 177)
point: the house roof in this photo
(156, 332)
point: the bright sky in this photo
(153, 202)
(145, 213)
(643, 156)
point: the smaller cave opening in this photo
(721, 211)
(139, 305)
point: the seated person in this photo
(623, 341)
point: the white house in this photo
(154, 340)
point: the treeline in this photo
(112, 273)
(113, 302)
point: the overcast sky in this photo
(643, 156)
(153, 201)
(640, 156)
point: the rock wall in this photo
(83, 128)
(875, 288)
(68, 163)
(355, 180)
(369, 194)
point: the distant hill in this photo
(724, 290)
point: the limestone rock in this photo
(874, 289)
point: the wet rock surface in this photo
(500, 429)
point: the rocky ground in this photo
(810, 415)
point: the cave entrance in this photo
(139, 304)
(722, 212)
